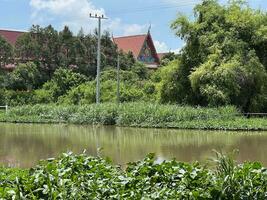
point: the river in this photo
(23, 145)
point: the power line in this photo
(152, 9)
(155, 7)
(161, 5)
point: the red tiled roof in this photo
(132, 44)
(10, 35)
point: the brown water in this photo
(23, 145)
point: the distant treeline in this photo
(223, 62)
(50, 50)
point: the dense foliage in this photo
(6, 52)
(222, 63)
(224, 58)
(61, 64)
(70, 87)
(50, 49)
(131, 87)
(82, 177)
(24, 77)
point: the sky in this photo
(125, 17)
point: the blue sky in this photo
(126, 17)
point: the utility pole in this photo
(118, 79)
(99, 17)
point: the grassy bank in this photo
(137, 115)
(82, 177)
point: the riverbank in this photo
(82, 177)
(137, 115)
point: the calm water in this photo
(22, 145)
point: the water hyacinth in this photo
(84, 177)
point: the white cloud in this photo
(162, 47)
(182, 2)
(123, 29)
(135, 29)
(76, 9)
(75, 14)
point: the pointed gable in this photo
(148, 53)
(132, 44)
(142, 47)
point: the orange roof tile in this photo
(132, 44)
(10, 35)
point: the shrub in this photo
(80, 95)
(141, 70)
(2, 97)
(125, 76)
(63, 80)
(149, 88)
(150, 91)
(43, 96)
(24, 77)
(86, 93)
(18, 98)
(52, 89)
(66, 79)
(239, 81)
(169, 82)
(131, 93)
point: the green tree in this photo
(141, 70)
(224, 59)
(67, 48)
(169, 83)
(51, 50)
(127, 60)
(168, 57)
(41, 46)
(240, 81)
(108, 50)
(24, 77)
(6, 53)
(63, 80)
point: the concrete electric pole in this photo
(118, 79)
(99, 17)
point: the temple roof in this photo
(135, 43)
(132, 43)
(11, 35)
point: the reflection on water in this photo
(24, 144)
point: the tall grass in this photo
(137, 115)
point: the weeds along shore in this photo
(137, 115)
